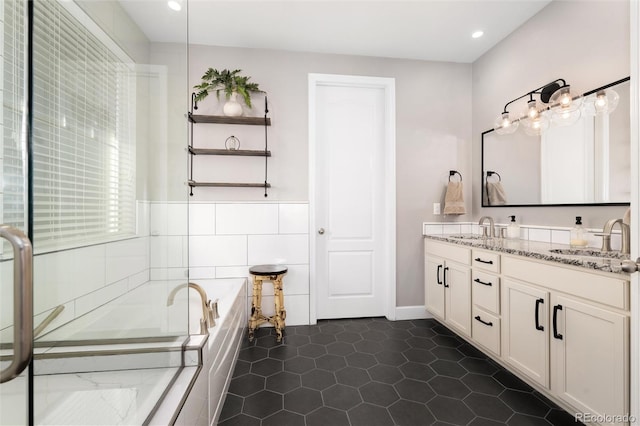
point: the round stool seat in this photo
(267, 270)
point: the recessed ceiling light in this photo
(477, 34)
(175, 5)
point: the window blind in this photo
(83, 132)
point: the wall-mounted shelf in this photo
(219, 119)
(238, 152)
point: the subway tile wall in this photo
(555, 235)
(222, 240)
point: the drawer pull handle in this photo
(488, 262)
(490, 324)
(556, 335)
(482, 282)
(538, 303)
(445, 276)
(438, 275)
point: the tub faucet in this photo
(207, 321)
(491, 232)
(606, 236)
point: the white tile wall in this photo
(246, 219)
(225, 239)
(556, 235)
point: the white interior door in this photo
(350, 206)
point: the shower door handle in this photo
(22, 302)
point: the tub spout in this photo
(207, 321)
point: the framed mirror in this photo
(585, 163)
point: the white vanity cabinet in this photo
(562, 328)
(448, 284)
(567, 340)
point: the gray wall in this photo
(584, 42)
(433, 133)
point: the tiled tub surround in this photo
(223, 239)
(538, 245)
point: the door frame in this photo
(389, 237)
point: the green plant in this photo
(227, 81)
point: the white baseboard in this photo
(411, 313)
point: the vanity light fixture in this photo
(535, 120)
(565, 105)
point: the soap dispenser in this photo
(577, 239)
(513, 229)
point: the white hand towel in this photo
(453, 199)
(495, 194)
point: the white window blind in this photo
(13, 165)
(83, 131)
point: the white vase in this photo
(232, 107)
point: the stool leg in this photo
(280, 313)
(256, 306)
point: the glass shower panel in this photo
(14, 394)
(104, 126)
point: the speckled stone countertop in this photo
(588, 258)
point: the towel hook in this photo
(453, 173)
(491, 173)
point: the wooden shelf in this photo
(221, 119)
(193, 184)
(238, 152)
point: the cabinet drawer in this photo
(489, 261)
(486, 330)
(448, 251)
(486, 291)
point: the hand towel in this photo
(495, 194)
(453, 199)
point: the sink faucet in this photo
(491, 232)
(207, 321)
(606, 236)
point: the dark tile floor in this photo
(376, 372)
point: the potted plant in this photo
(232, 83)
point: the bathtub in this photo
(163, 380)
(200, 401)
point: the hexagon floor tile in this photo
(370, 371)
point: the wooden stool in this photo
(273, 273)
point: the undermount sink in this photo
(590, 253)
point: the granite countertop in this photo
(588, 258)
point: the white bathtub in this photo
(196, 392)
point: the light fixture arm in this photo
(544, 92)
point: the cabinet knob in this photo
(630, 265)
(321, 231)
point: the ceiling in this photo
(438, 30)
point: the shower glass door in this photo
(110, 313)
(14, 390)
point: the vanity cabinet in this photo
(448, 285)
(563, 329)
(570, 344)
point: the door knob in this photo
(630, 265)
(321, 231)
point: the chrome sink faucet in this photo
(606, 236)
(208, 313)
(491, 232)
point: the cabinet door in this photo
(457, 283)
(525, 335)
(434, 286)
(588, 357)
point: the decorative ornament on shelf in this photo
(232, 143)
(232, 84)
